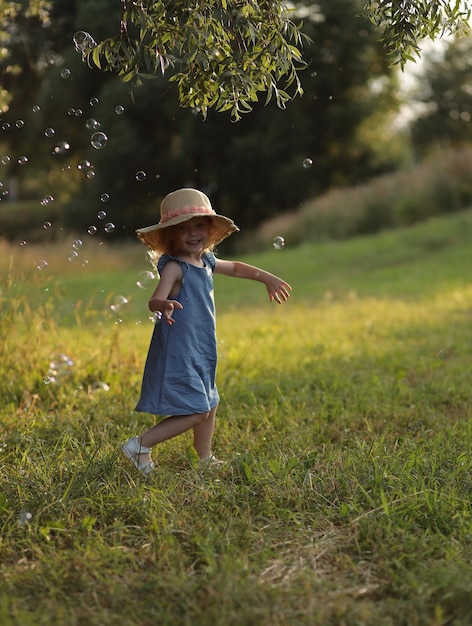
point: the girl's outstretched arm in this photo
(277, 288)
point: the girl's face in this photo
(191, 237)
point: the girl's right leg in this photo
(167, 429)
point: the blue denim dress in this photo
(179, 375)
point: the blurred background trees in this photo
(341, 132)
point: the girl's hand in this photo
(278, 289)
(169, 310)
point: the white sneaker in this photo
(209, 461)
(132, 449)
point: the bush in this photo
(441, 184)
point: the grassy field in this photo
(345, 422)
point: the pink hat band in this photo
(186, 210)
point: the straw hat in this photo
(180, 206)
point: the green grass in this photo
(345, 423)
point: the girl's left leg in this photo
(203, 434)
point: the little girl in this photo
(179, 375)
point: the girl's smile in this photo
(191, 236)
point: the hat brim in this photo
(153, 236)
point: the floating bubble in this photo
(92, 230)
(19, 123)
(42, 265)
(145, 279)
(36, 108)
(84, 165)
(65, 73)
(78, 243)
(100, 386)
(23, 243)
(23, 160)
(24, 518)
(78, 112)
(5, 126)
(62, 147)
(71, 112)
(83, 41)
(4, 194)
(90, 174)
(47, 200)
(109, 227)
(73, 254)
(279, 243)
(118, 303)
(92, 124)
(85, 263)
(60, 366)
(156, 317)
(5, 160)
(101, 215)
(98, 140)
(140, 175)
(65, 168)
(47, 225)
(49, 132)
(94, 102)
(119, 110)
(104, 197)
(307, 163)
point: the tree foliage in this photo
(445, 95)
(221, 54)
(224, 54)
(403, 23)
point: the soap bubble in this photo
(24, 518)
(60, 366)
(65, 73)
(100, 386)
(47, 200)
(36, 108)
(104, 197)
(73, 254)
(84, 165)
(78, 243)
(19, 123)
(5, 126)
(101, 215)
(71, 112)
(65, 168)
(42, 265)
(49, 132)
(109, 227)
(145, 279)
(92, 124)
(5, 160)
(61, 147)
(47, 225)
(140, 175)
(119, 110)
(118, 303)
(83, 41)
(90, 174)
(78, 112)
(94, 102)
(23, 160)
(92, 230)
(307, 163)
(98, 140)
(279, 243)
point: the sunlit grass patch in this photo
(344, 423)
